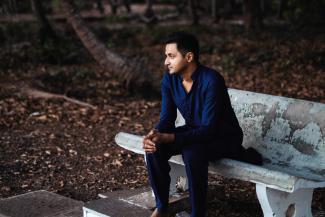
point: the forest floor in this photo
(69, 149)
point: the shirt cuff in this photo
(179, 138)
(164, 129)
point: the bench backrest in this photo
(289, 133)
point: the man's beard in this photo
(181, 70)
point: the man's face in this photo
(174, 61)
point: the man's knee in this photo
(151, 157)
(195, 155)
(158, 155)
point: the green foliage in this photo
(228, 63)
(110, 44)
(83, 73)
(55, 80)
(133, 36)
(159, 33)
(72, 81)
(16, 32)
(51, 52)
(306, 11)
(81, 4)
(55, 4)
(121, 37)
(111, 18)
(54, 52)
(16, 6)
(207, 48)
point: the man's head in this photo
(182, 50)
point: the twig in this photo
(41, 94)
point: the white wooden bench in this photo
(289, 133)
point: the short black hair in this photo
(185, 42)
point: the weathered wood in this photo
(133, 74)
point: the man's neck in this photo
(188, 72)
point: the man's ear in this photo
(189, 57)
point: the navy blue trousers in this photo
(196, 158)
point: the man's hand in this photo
(148, 145)
(163, 138)
(153, 138)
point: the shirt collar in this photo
(196, 72)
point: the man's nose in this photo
(166, 62)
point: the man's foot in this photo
(157, 214)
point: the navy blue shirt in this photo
(206, 108)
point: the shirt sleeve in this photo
(168, 112)
(212, 109)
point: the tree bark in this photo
(127, 6)
(195, 18)
(133, 74)
(45, 30)
(181, 5)
(149, 14)
(100, 6)
(283, 5)
(113, 4)
(253, 15)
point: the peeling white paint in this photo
(279, 130)
(310, 134)
(289, 133)
(296, 150)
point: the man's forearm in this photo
(170, 137)
(162, 138)
(190, 136)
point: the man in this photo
(211, 131)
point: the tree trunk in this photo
(127, 6)
(195, 18)
(253, 15)
(8, 7)
(45, 29)
(181, 5)
(100, 6)
(283, 5)
(32, 6)
(132, 74)
(149, 9)
(113, 4)
(149, 15)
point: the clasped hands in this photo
(153, 138)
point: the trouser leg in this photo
(196, 158)
(158, 172)
(196, 164)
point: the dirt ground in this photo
(62, 147)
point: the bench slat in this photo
(288, 132)
(234, 169)
(130, 142)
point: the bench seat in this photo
(290, 135)
(271, 175)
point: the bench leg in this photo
(276, 203)
(178, 178)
